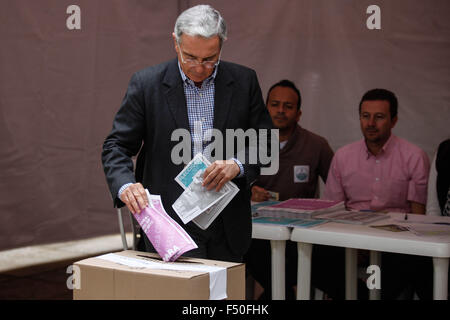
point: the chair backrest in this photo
(134, 227)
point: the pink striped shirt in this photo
(387, 181)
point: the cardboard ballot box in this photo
(141, 275)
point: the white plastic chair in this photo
(134, 227)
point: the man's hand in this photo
(260, 194)
(135, 198)
(219, 173)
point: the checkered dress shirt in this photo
(200, 110)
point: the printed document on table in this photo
(440, 232)
(419, 218)
(197, 203)
(353, 217)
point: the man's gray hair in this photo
(203, 21)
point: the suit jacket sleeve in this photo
(125, 140)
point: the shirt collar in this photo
(390, 143)
(293, 139)
(212, 77)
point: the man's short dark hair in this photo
(287, 84)
(381, 94)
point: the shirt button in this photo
(377, 179)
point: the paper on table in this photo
(419, 218)
(353, 217)
(306, 223)
(256, 205)
(274, 220)
(217, 275)
(300, 208)
(431, 230)
(301, 204)
(391, 227)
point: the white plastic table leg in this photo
(278, 248)
(440, 278)
(351, 273)
(304, 271)
(375, 259)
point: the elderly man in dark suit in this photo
(196, 88)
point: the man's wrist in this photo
(122, 189)
(241, 168)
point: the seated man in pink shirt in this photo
(383, 172)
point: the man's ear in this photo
(394, 122)
(299, 114)
(175, 44)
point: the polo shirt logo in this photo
(301, 174)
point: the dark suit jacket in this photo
(153, 107)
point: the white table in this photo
(354, 237)
(277, 236)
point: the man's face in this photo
(199, 49)
(376, 122)
(282, 106)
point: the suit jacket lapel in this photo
(222, 97)
(175, 95)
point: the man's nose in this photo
(199, 68)
(372, 121)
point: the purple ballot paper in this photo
(167, 237)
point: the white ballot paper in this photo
(196, 203)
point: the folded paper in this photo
(168, 238)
